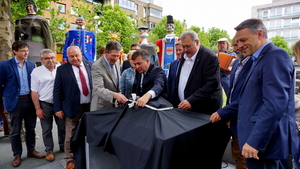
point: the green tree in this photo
(280, 42)
(58, 28)
(160, 29)
(204, 37)
(215, 35)
(113, 19)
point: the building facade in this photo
(150, 11)
(281, 17)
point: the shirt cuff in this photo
(152, 93)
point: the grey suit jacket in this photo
(104, 86)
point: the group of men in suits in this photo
(260, 105)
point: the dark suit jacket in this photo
(203, 90)
(173, 70)
(266, 110)
(236, 91)
(9, 77)
(66, 93)
(155, 79)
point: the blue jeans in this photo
(23, 110)
(47, 125)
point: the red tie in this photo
(85, 89)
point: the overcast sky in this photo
(222, 14)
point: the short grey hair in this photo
(46, 51)
(113, 45)
(254, 26)
(192, 34)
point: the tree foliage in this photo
(215, 35)
(160, 29)
(280, 42)
(113, 19)
(204, 37)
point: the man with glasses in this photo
(106, 79)
(15, 77)
(42, 83)
(197, 88)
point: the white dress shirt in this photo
(83, 98)
(185, 74)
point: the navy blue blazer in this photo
(234, 95)
(265, 107)
(155, 79)
(203, 90)
(173, 70)
(9, 78)
(66, 93)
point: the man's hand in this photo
(120, 98)
(215, 117)
(184, 105)
(40, 113)
(60, 114)
(249, 152)
(143, 100)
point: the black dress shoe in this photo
(16, 161)
(35, 154)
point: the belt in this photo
(224, 75)
(49, 104)
(24, 96)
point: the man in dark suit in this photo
(15, 77)
(198, 89)
(265, 107)
(238, 75)
(72, 95)
(150, 79)
(173, 71)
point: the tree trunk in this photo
(6, 30)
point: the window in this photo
(287, 23)
(62, 26)
(48, 9)
(73, 26)
(278, 23)
(136, 9)
(266, 23)
(273, 13)
(151, 25)
(155, 13)
(61, 7)
(74, 10)
(271, 34)
(260, 14)
(265, 14)
(127, 4)
(272, 24)
(144, 12)
(295, 21)
(278, 33)
(288, 11)
(294, 34)
(296, 9)
(279, 12)
(286, 34)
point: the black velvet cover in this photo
(143, 138)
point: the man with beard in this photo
(239, 72)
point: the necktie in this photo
(114, 74)
(85, 90)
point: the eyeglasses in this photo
(49, 58)
(222, 43)
(186, 46)
(24, 51)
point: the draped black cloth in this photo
(143, 138)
